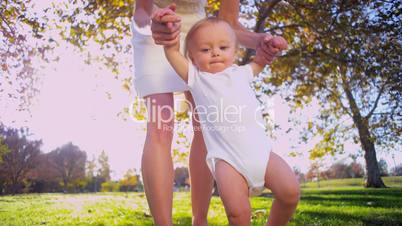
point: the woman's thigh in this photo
(191, 109)
(160, 112)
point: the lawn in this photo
(337, 203)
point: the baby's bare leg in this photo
(233, 191)
(281, 180)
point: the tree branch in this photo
(260, 26)
(356, 115)
(8, 25)
(283, 27)
(377, 100)
(340, 100)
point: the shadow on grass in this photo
(385, 220)
(373, 198)
(353, 201)
(392, 192)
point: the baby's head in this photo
(211, 45)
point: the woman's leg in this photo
(281, 180)
(157, 167)
(233, 190)
(201, 179)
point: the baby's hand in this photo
(269, 48)
(276, 44)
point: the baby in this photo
(230, 117)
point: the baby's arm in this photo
(171, 47)
(256, 67)
(177, 60)
(273, 46)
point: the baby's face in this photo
(213, 47)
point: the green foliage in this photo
(339, 47)
(3, 149)
(129, 182)
(345, 55)
(106, 23)
(110, 186)
(21, 40)
(104, 167)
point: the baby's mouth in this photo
(216, 62)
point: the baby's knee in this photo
(290, 195)
(238, 215)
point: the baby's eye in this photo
(224, 47)
(205, 50)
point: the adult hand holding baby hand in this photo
(268, 48)
(165, 26)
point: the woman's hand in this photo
(165, 26)
(268, 48)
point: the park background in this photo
(71, 122)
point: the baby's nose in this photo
(215, 52)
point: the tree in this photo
(43, 178)
(19, 159)
(22, 40)
(24, 36)
(92, 182)
(299, 175)
(181, 176)
(104, 167)
(110, 186)
(106, 23)
(3, 150)
(346, 56)
(129, 181)
(69, 162)
(315, 172)
(356, 170)
(339, 170)
(397, 170)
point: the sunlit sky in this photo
(81, 103)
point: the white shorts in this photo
(152, 72)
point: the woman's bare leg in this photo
(157, 167)
(201, 178)
(233, 190)
(281, 180)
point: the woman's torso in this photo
(183, 6)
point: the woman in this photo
(156, 81)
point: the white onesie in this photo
(231, 121)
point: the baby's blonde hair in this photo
(199, 24)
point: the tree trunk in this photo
(65, 185)
(373, 172)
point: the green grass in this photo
(336, 205)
